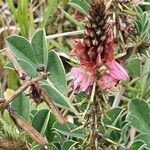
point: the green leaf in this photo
(49, 132)
(12, 80)
(9, 65)
(69, 145)
(22, 49)
(79, 5)
(134, 67)
(139, 114)
(139, 28)
(40, 120)
(57, 72)
(145, 81)
(67, 130)
(138, 9)
(147, 53)
(124, 132)
(137, 145)
(7, 118)
(55, 95)
(112, 116)
(21, 105)
(145, 138)
(43, 122)
(145, 36)
(36, 147)
(145, 21)
(58, 138)
(39, 43)
(12, 7)
(52, 147)
(146, 26)
(27, 67)
(120, 147)
(111, 119)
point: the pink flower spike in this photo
(82, 79)
(106, 82)
(116, 70)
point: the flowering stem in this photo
(118, 98)
(72, 108)
(91, 99)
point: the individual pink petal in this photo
(87, 81)
(77, 76)
(75, 72)
(99, 61)
(116, 70)
(106, 82)
(78, 49)
(77, 81)
(91, 53)
(82, 79)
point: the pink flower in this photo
(82, 79)
(106, 82)
(116, 70)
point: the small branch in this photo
(2, 50)
(90, 101)
(72, 33)
(138, 78)
(132, 134)
(17, 67)
(118, 97)
(23, 124)
(52, 106)
(23, 88)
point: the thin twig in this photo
(23, 88)
(90, 101)
(2, 50)
(52, 106)
(72, 33)
(132, 134)
(22, 123)
(118, 97)
(17, 67)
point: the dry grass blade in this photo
(23, 124)
(52, 106)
